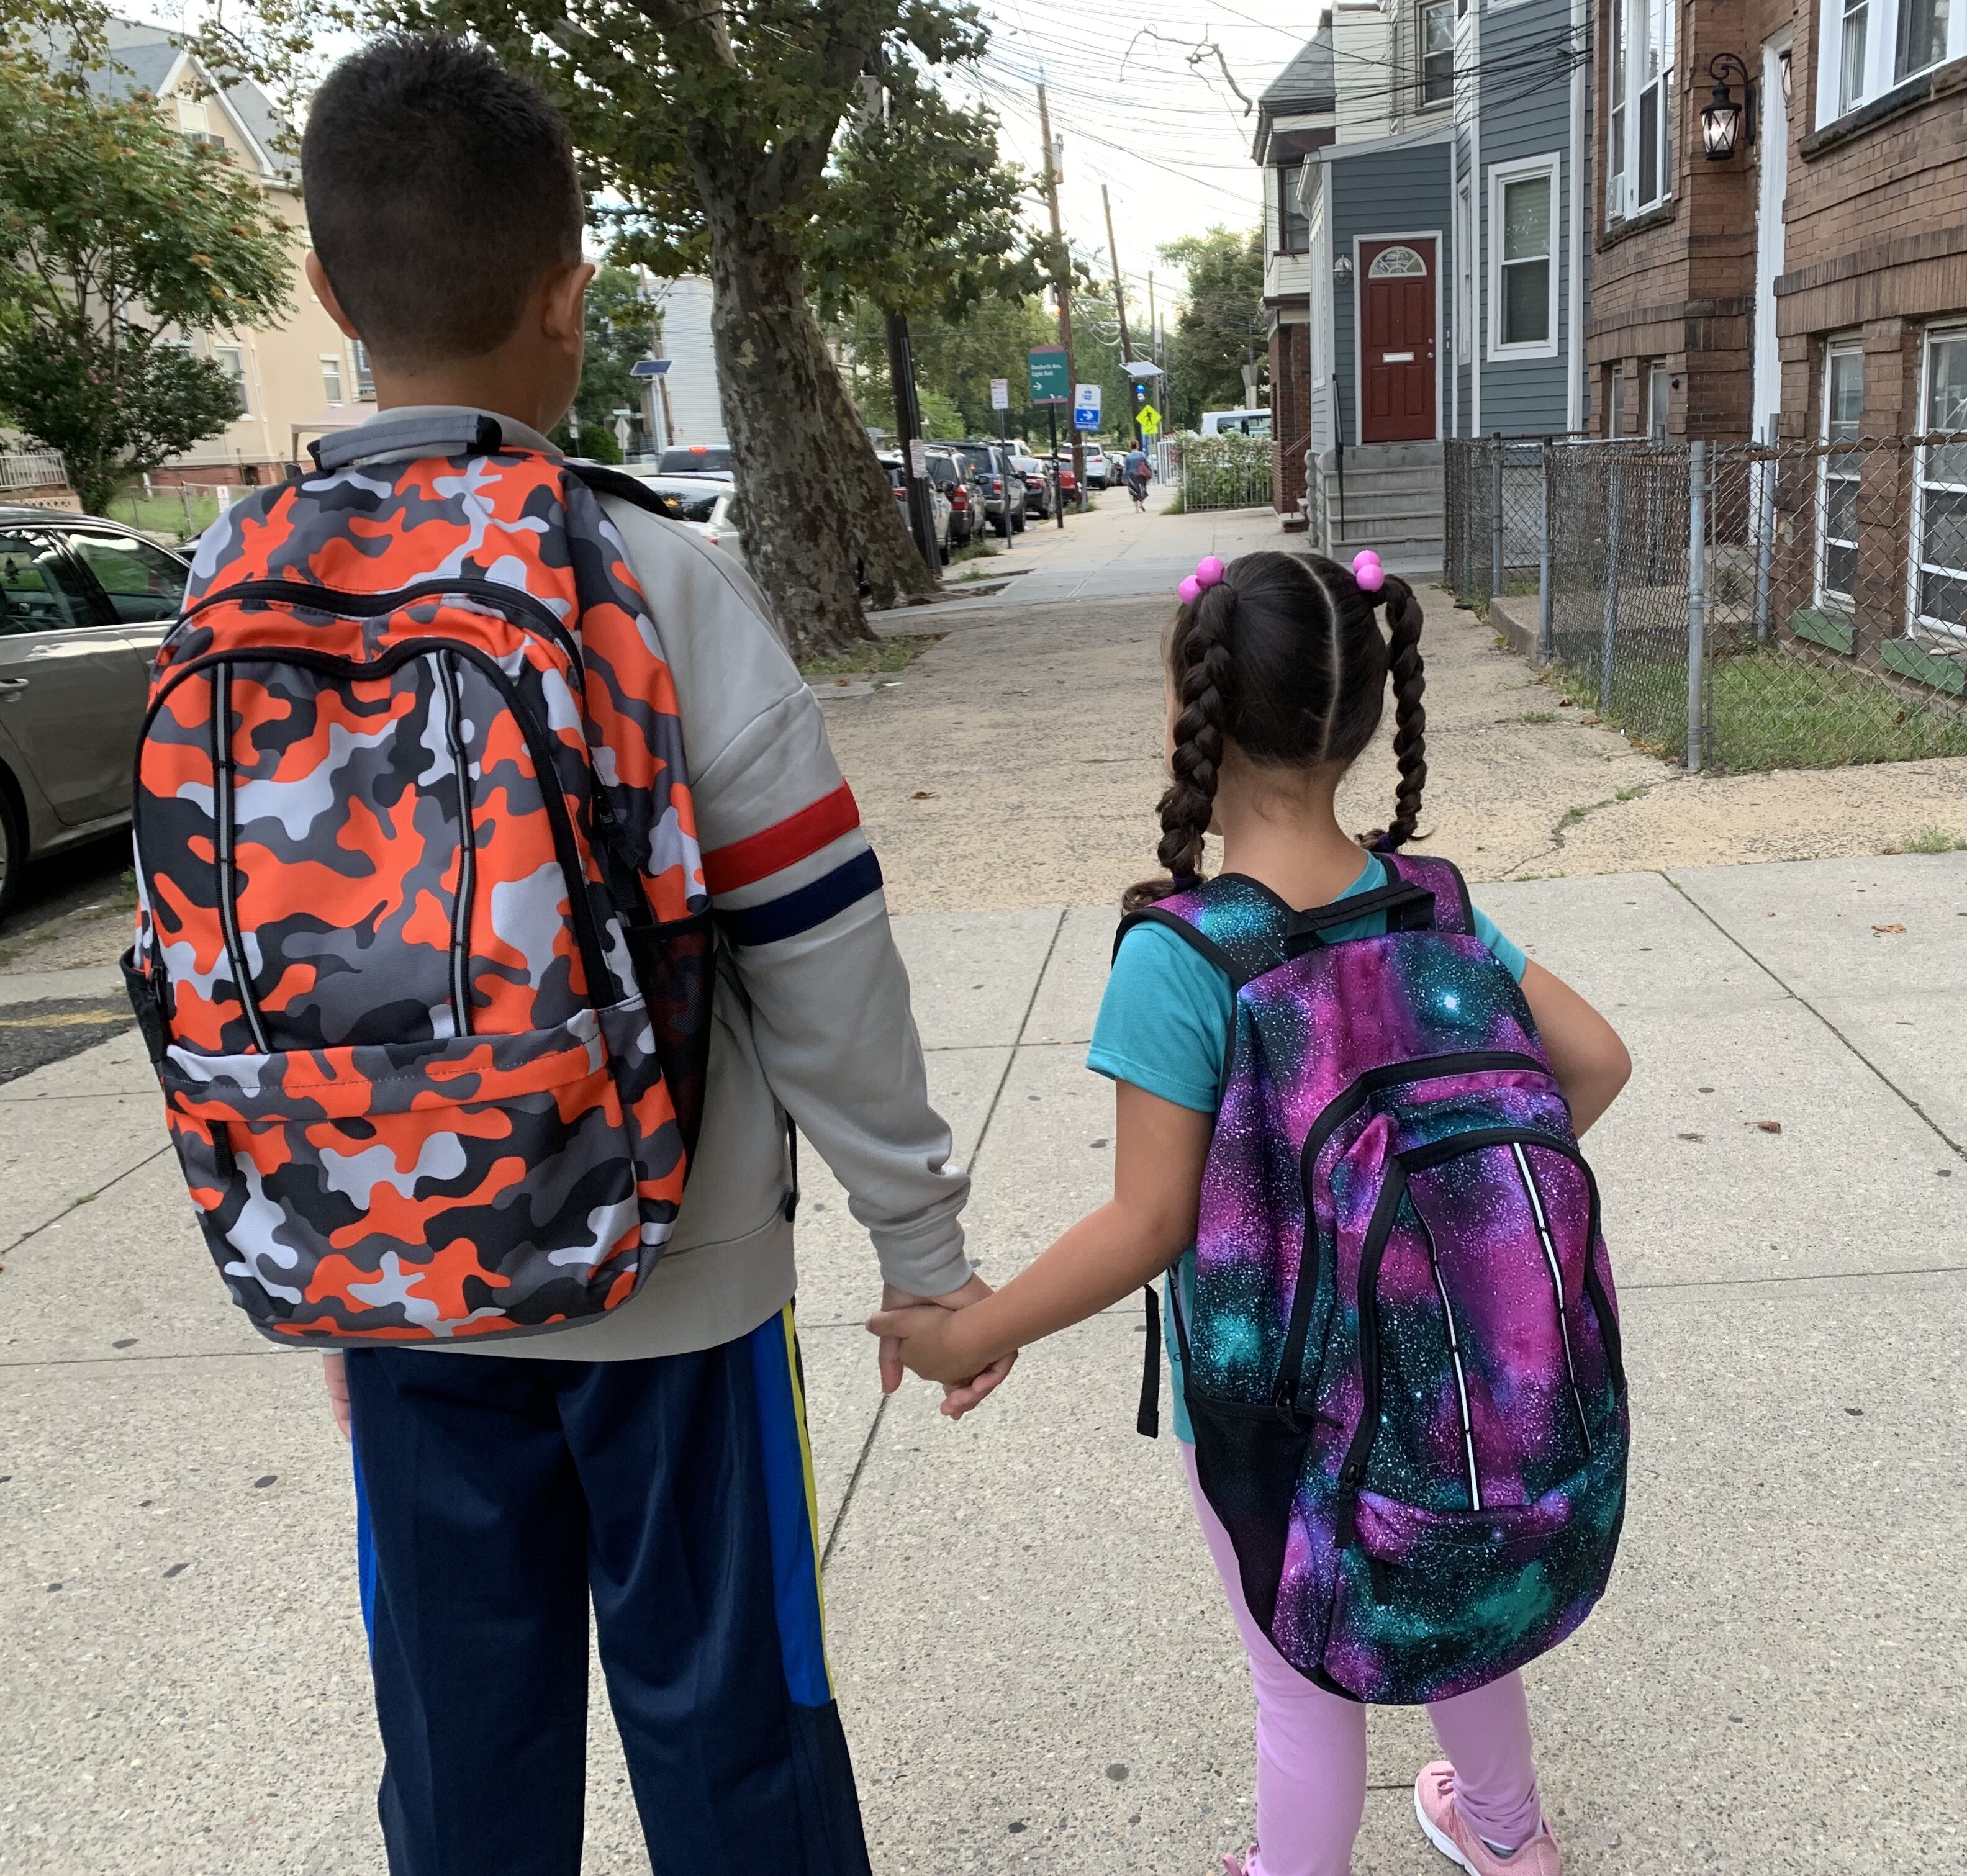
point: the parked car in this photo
(1037, 485)
(695, 459)
(954, 476)
(995, 474)
(1099, 467)
(84, 605)
(1068, 483)
(703, 504)
(939, 502)
(1248, 423)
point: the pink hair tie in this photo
(1208, 572)
(1368, 574)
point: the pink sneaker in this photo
(1238, 1865)
(1450, 1832)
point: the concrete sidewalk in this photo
(1035, 1666)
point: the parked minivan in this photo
(1249, 423)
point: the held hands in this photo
(918, 1332)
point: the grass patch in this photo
(1930, 839)
(170, 517)
(1179, 505)
(1629, 794)
(873, 657)
(975, 574)
(974, 551)
(1533, 716)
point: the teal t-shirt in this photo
(1164, 1025)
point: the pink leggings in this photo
(1311, 1747)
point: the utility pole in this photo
(1062, 286)
(1120, 307)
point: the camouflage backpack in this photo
(423, 952)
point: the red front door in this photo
(1396, 299)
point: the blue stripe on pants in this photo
(792, 1504)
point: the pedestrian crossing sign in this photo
(1148, 418)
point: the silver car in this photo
(83, 606)
(702, 504)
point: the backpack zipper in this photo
(310, 598)
(587, 931)
(1331, 1116)
(225, 880)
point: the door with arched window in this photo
(1397, 335)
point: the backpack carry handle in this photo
(1408, 908)
(443, 434)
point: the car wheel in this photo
(945, 553)
(13, 853)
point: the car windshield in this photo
(695, 459)
(977, 455)
(689, 501)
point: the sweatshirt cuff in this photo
(929, 1266)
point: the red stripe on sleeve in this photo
(758, 856)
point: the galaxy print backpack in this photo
(1402, 1353)
(423, 953)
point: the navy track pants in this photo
(495, 1497)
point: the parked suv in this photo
(1098, 469)
(940, 509)
(84, 605)
(953, 475)
(996, 474)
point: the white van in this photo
(1249, 423)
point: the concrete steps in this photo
(1393, 502)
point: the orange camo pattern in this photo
(421, 1082)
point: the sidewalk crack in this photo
(1956, 1147)
(87, 1198)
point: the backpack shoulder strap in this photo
(602, 480)
(1241, 927)
(1453, 913)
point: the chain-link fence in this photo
(1799, 605)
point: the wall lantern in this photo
(1724, 124)
(1341, 269)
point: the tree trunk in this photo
(812, 499)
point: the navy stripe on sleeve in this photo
(810, 906)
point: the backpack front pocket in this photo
(411, 1191)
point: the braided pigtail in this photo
(1408, 676)
(1200, 669)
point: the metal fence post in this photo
(1615, 518)
(1766, 531)
(1696, 603)
(1545, 597)
(1496, 518)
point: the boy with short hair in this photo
(654, 1458)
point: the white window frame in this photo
(365, 392)
(1951, 632)
(1288, 175)
(1884, 18)
(1525, 169)
(333, 362)
(238, 351)
(1658, 383)
(1631, 19)
(1422, 101)
(1825, 593)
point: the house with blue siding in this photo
(1444, 239)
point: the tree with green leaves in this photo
(1221, 328)
(955, 360)
(620, 324)
(119, 239)
(802, 153)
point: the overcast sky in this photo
(1169, 139)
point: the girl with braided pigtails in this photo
(1277, 669)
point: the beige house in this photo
(296, 380)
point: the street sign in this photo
(1000, 394)
(1086, 407)
(1148, 418)
(1050, 383)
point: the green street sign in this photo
(1050, 383)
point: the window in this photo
(1638, 163)
(1939, 492)
(1437, 52)
(1293, 225)
(1869, 46)
(1464, 274)
(1658, 385)
(38, 590)
(231, 360)
(1837, 490)
(1522, 277)
(365, 380)
(1615, 414)
(142, 582)
(330, 377)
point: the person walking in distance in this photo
(1139, 471)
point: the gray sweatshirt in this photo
(811, 1015)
